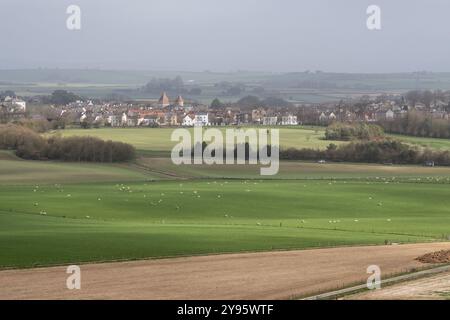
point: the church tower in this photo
(179, 102)
(164, 101)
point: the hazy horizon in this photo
(227, 36)
(174, 71)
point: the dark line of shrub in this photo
(32, 146)
(376, 151)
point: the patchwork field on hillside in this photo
(52, 224)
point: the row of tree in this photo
(384, 151)
(60, 98)
(7, 93)
(376, 151)
(426, 97)
(418, 124)
(31, 145)
(243, 148)
(173, 86)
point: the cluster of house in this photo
(166, 113)
(13, 105)
(383, 111)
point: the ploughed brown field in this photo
(271, 275)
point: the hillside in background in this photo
(301, 87)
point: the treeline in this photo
(245, 147)
(7, 93)
(61, 98)
(353, 131)
(173, 86)
(418, 124)
(250, 102)
(37, 125)
(377, 151)
(427, 97)
(32, 146)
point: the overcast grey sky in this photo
(227, 35)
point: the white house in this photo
(201, 120)
(289, 120)
(188, 121)
(390, 115)
(20, 104)
(332, 116)
(98, 119)
(83, 117)
(124, 119)
(270, 121)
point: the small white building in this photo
(98, 119)
(390, 115)
(188, 121)
(332, 116)
(270, 121)
(201, 120)
(124, 119)
(327, 118)
(289, 120)
(19, 104)
(83, 117)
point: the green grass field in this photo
(441, 144)
(289, 170)
(58, 213)
(45, 223)
(31, 172)
(158, 139)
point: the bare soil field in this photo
(442, 256)
(436, 287)
(270, 275)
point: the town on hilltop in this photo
(64, 108)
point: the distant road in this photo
(269, 275)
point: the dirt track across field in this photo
(269, 275)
